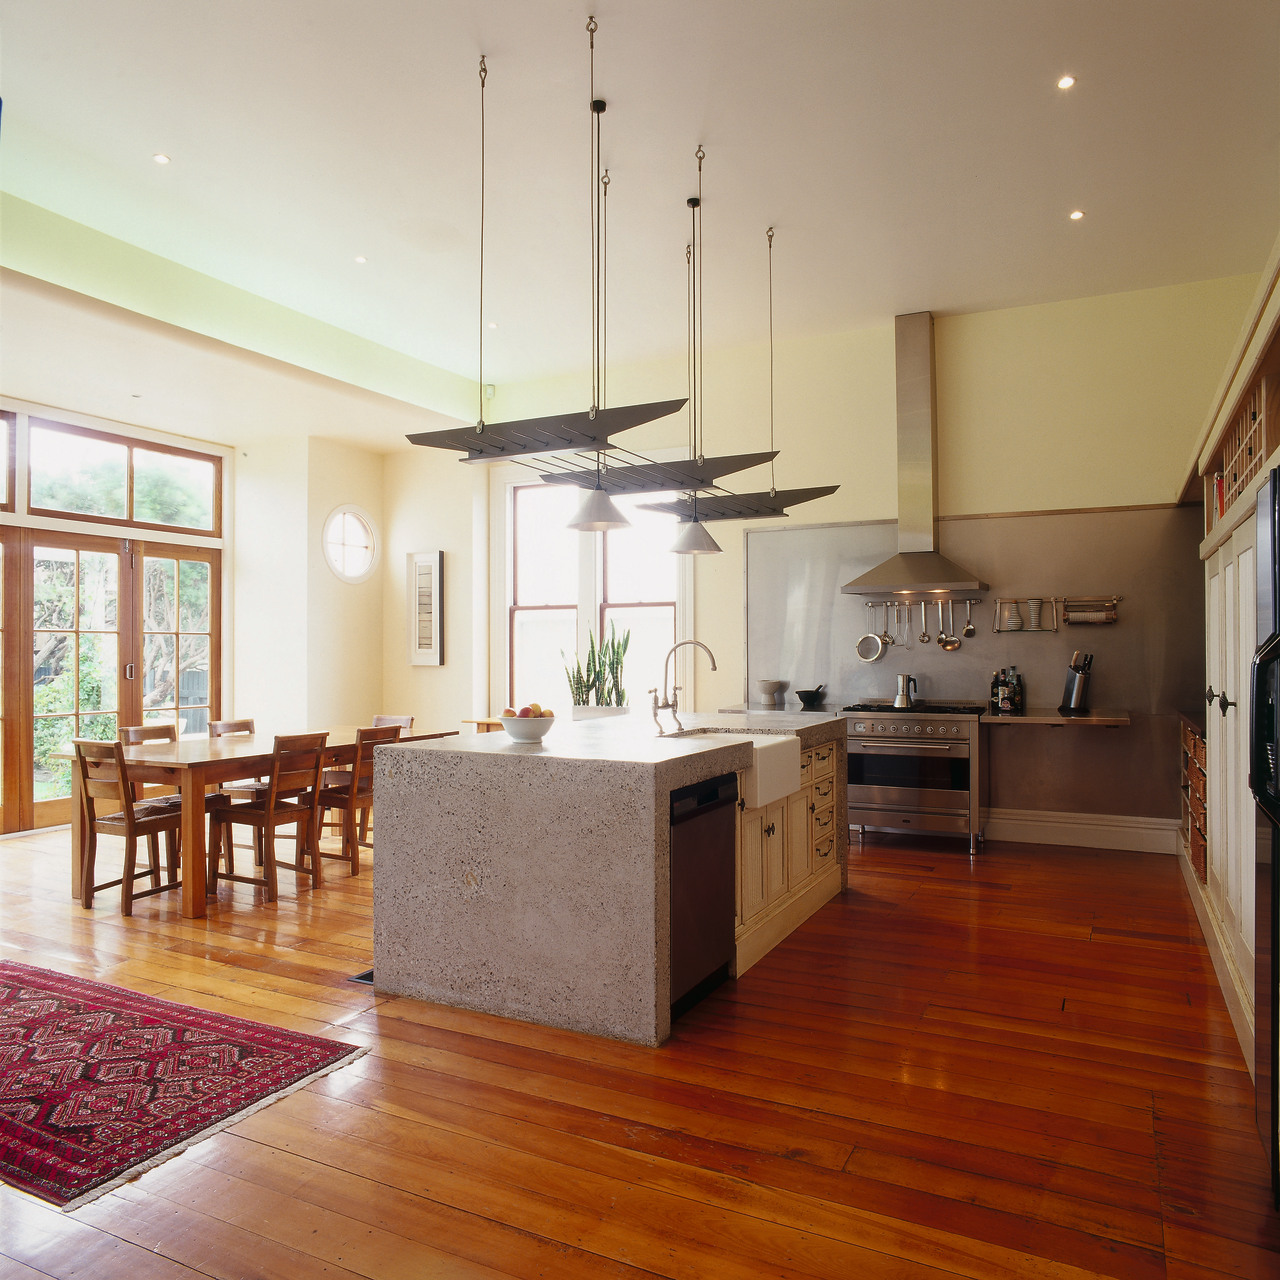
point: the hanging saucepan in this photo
(870, 648)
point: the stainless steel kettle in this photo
(905, 685)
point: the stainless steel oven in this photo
(920, 768)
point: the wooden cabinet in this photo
(787, 864)
(1194, 821)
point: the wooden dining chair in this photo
(104, 781)
(353, 795)
(289, 799)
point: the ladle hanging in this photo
(952, 641)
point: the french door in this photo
(97, 633)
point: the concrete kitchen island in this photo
(532, 880)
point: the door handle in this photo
(128, 670)
(1221, 698)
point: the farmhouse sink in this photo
(775, 763)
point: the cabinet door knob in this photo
(769, 829)
(1209, 695)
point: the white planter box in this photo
(592, 713)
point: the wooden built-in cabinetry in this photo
(787, 864)
(1194, 823)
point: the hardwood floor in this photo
(1016, 1067)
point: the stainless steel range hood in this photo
(918, 566)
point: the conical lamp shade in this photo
(694, 540)
(597, 513)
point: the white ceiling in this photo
(912, 154)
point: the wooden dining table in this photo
(193, 766)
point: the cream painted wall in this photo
(269, 667)
(344, 619)
(1089, 403)
(429, 497)
(1079, 404)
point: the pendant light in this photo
(597, 512)
(693, 538)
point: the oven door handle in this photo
(907, 748)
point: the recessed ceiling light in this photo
(1066, 82)
(160, 158)
(1077, 214)
(361, 258)
(493, 324)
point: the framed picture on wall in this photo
(426, 609)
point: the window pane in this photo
(76, 473)
(193, 595)
(55, 589)
(97, 672)
(52, 777)
(546, 552)
(653, 632)
(170, 489)
(539, 638)
(159, 678)
(193, 681)
(6, 429)
(99, 728)
(639, 562)
(54, 671)
(99, 590)
(159, 595)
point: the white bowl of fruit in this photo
(529, 724)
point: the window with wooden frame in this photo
(9, 444)
(565, 583)
(80, 474)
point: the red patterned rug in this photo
(98, 1084)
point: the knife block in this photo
(1075, 697)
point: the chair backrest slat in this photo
(227, 728)
(135, 734)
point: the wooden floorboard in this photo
(1013, 1066)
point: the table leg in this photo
(191, 787)
(78, 835)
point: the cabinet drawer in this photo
(824, 791)
(806, 767)
(824, 761)
(823, 849)
(822, 822)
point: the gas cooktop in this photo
(920, 707)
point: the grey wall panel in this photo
(1150, 663)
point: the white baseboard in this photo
(1235, 992)
(1088, 830)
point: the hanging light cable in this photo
(597, 511)
(773, 482)
(484, 75)
(693, 538)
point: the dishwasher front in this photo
(703, 871)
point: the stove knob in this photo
(879, 728)
(928, 728)
(893, 728)
(859, 727)
(917, 729)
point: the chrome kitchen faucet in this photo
(669, 703)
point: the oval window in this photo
(349, 544)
